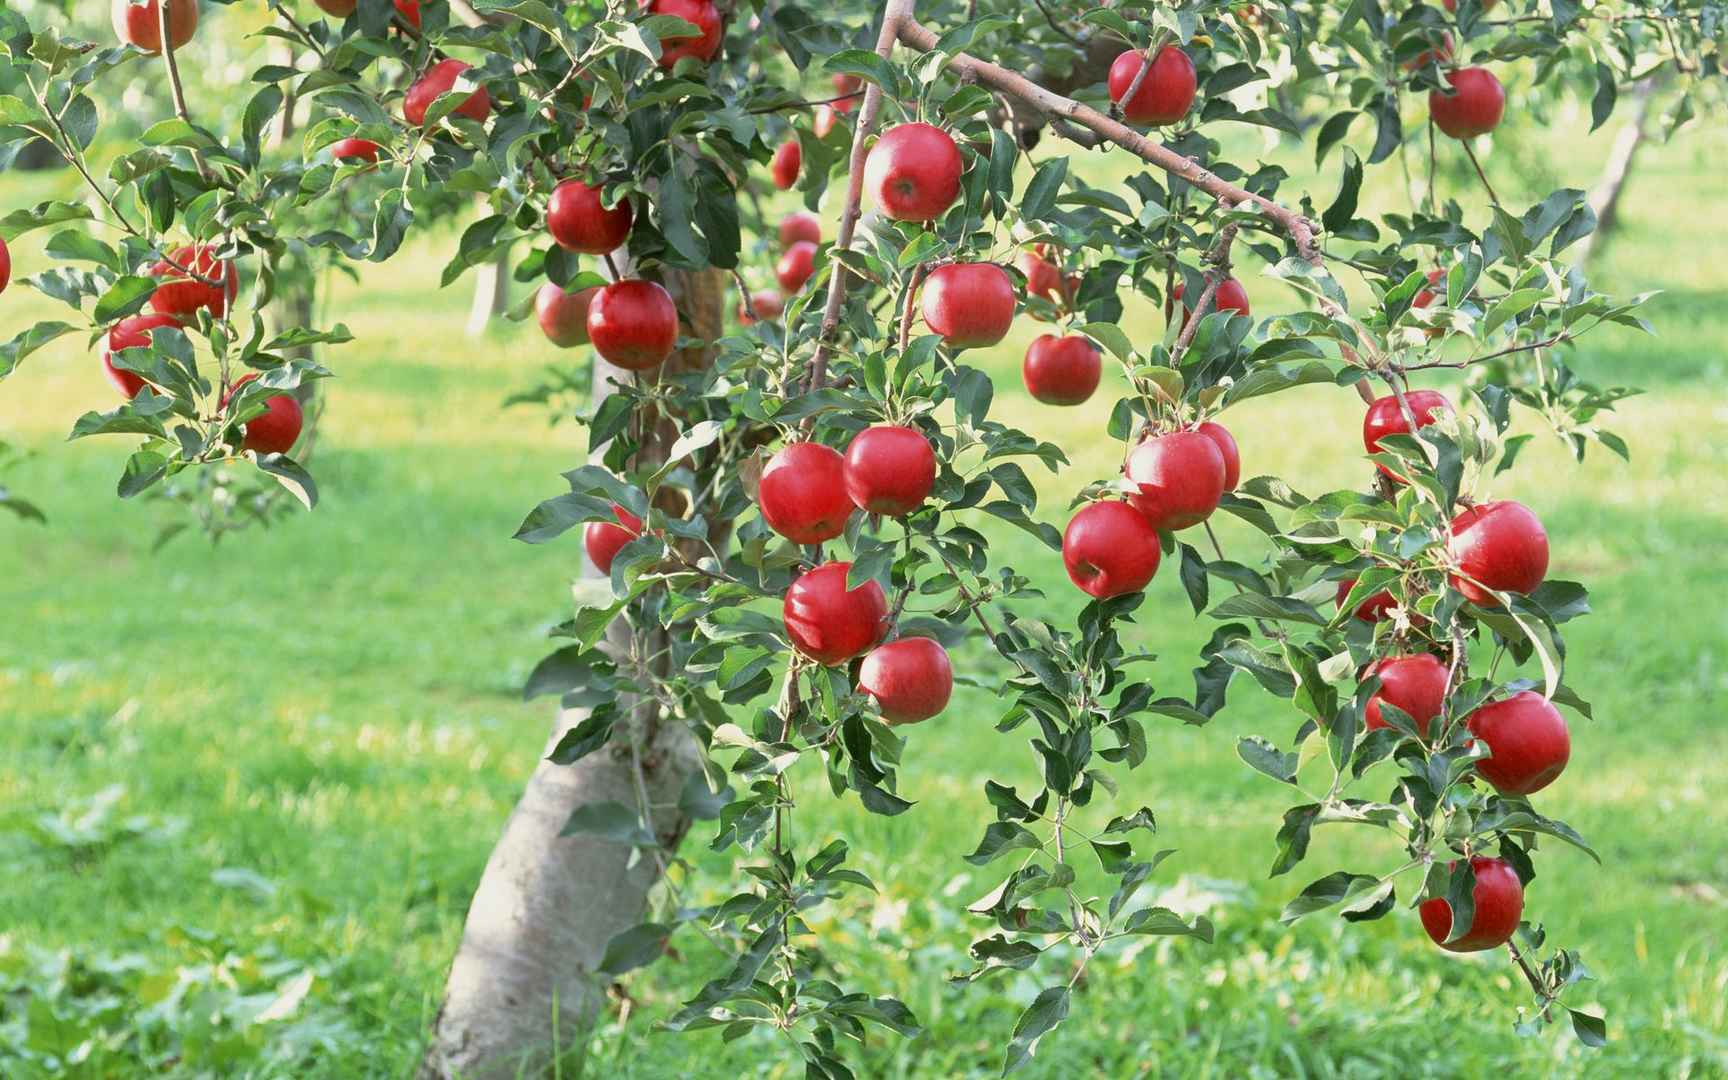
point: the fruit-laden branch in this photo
(1298, 228)
(1217, 269)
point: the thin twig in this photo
(1480, 175)
(177, 91)
(804, 104)
(1218, 259)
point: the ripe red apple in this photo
(889, 469)
(829, 624)
(439, 79)
(1384, 418)
(563, 317)
(1165, 94)
(579, 221)
(970, 304)
(1061, 370)
(140, 24)
(1529, 740)
(1226, 443)
(633, 324)
(913, 172)
(802, 493)
(603, 539)
(339, 8)
(788, 159)
(911, 679)
(180, 295)
(410, 12)
(1371, 610)
(1180, 477)
(132, 332)
(768, 304)
(1044, 278)
(1497, 545)
(824, 121)
(1415, 684)
(796, 265)
(5, 265)
(354, 150)
(1499, 903)
(1474, 109)
(800, 227)
(703, 15)
(843, 86)
(1109, 549)
(276, 429)
(1228, 296)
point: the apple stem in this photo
(176, 90)
(912, 284)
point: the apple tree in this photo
(787, 486)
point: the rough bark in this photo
(522, 989)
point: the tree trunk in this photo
(522, 989)
(491, 292)
(1605, 197)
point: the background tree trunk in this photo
(491, 292)
(522, 989)
(1605, 197)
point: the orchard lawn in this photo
(245, 791)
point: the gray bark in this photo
(491, 292)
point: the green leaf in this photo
(125, 297)
(635, 947)
(143, 469)
(1607, 90)
(1255, 606)
(290, 475)
(1047, 1010)
(1322, 894)
(27, 342)
(1592, 1031)
(1001, 837)
(1042, 189)
(583, 738)
(1260, 754)
(609, 821)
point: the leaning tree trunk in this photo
(522, 989)
(1605, 197)
(491, 292)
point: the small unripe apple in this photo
(563, 317)
(1180, 478)
(1226, 443)
(829, 623)
(1061, 370)
(889, 469)
(1165, 94)
(1384, 417)
(796, 265)
(1475, 107)
(579, 221)
(439, 79)
(409, 10)
(911, 679)
(802, 493)
(970, 304)
(913, 172)
(1110, 549)
(1498, 898)
(769, 303)
(351, 149)
(140, 24)
(633, 324)
(1371, 610)
(788, 159)
(276, 429)
(1528, 738)
(1497, 545)
(132, 332)
(847, 85)
(339, 8)
(800, 227)
(181, 296)
(1230, 295)
(603, 539)
(1415, 684)
(700, 13)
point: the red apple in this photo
(889, 469)
(1384, 417)
(633, 324)
(351, 149)
(603, 539)
(1109, 549)
(795, 266)
(1226, 443)
(563, 316)
(439, 79)
(1371, 610)
(1474, 109)
(911, 679)
(824, 121)
(339, 8)
(276, 429)
(140, 24)
(1180, 478)
(5, 265)
(1044, 278)
(913, 172)
(1499, 904)
(788, 159)
(1497, 545)
(970, 304)
(1228, 296)
(768, 304)
(132, 332)
(1427, 296)
(1415, 684)
(1165, 94)
(802, 493)
(800, 227)
(1529, 741)
(845, 85)
(703, 15)
(180, 295)
(410, 12)
(828, 623)
(579, 221)
(1061, 370)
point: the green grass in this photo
(317, 734)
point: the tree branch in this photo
(1218, 259)
(176, 90)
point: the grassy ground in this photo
(245, 791)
